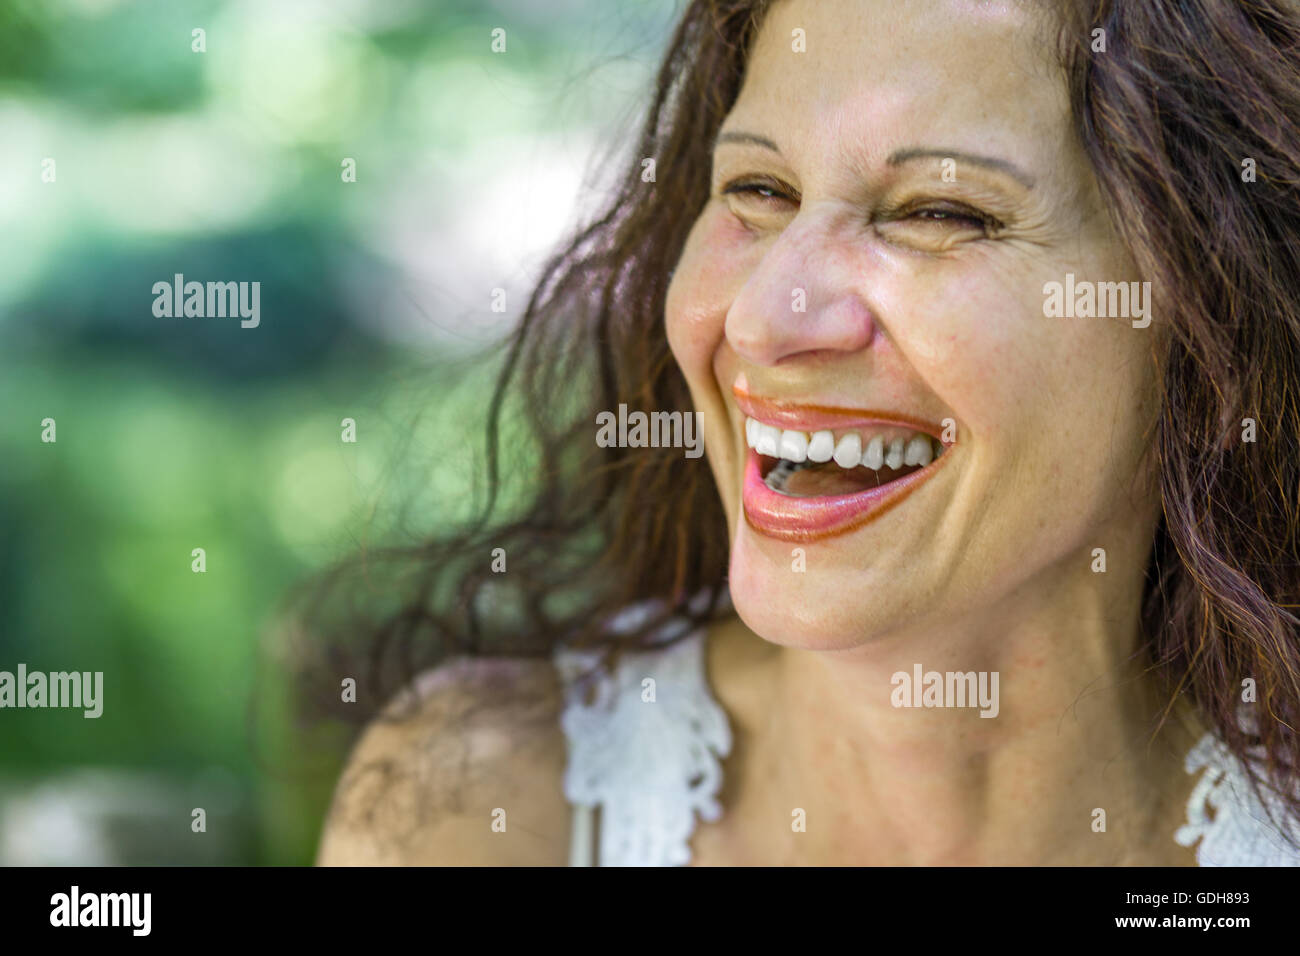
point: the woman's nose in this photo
(804, 296)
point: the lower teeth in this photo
(779, 477)
(776, 478)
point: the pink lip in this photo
(812, 519)
(811, 418)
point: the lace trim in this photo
(1229, 819)
(651, 762)
(652, 765)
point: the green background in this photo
(181, 433)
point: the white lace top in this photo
(653, 770)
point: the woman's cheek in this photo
(709, 275)
(974, 331)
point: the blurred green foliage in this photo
(175, 434)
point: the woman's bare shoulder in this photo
(465, 769)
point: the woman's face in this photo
(892, 191)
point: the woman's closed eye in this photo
(971, 218)
(938, 216)
(764, 191)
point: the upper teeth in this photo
(851, 450)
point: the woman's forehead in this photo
(880, 76)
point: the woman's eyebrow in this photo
(901, 156)
(753, 139)
(1004, 166)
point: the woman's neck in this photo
(1068, 766)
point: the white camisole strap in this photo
(581, 847)
(647, 750)
(1234, 825)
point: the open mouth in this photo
(803, 485)
(828, 462)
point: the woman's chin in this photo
(782, 595)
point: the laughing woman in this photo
(991, 317)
